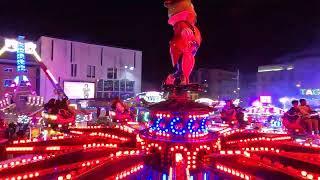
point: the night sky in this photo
(237, 33)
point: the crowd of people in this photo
(301, 118)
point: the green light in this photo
(137, 115)
(146, 116)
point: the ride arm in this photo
(50, 76)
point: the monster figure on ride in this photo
(185, 42)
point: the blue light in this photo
(191, 178)
(164, 177)
(205, 176)
(21, 64)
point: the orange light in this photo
(229, 152)
(303, 173)
(19, 149)
(53, 148)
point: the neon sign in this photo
(310, 92)
(151, 96)
(13, 45)
(21, 62)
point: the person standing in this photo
(306, 111)
(86, 91)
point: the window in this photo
(116, 85)
(99, 95)
(115, 88)
(88, 71)
(7, 82)
(101, 56)
(112, 73)
(122, 85)
(115, 73)
(108, 85)
(71, 52)
(91, 71)
(100, 85)
(73, 70)
(134, 59)
(8, 69)
(52, 46)
(108, 95)
(129, 86)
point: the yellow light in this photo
(2, 50)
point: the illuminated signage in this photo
(310, 92)
(79, 90)
(12, 45)
(151, 96)
(265, 99)
(21, 62)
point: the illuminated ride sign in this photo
(310, 92)
(13, 45)
(21, 62)
(266, 99)
(151, 96)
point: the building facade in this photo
(106, 72)
(116, 72)
(276, 80)
(248, 89)
(295, 79)
(220, 84)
